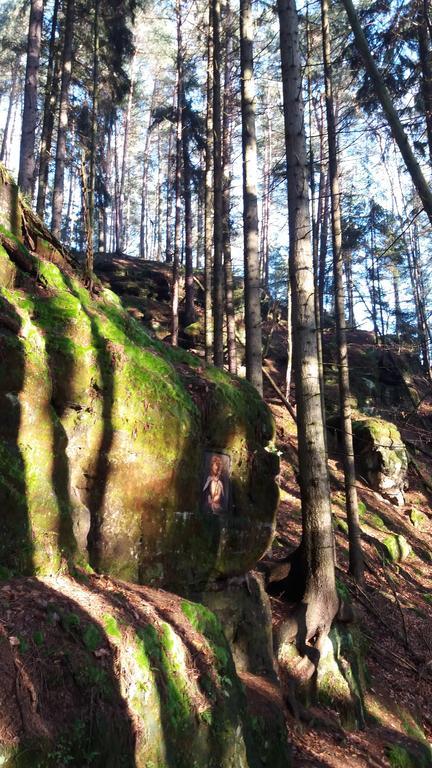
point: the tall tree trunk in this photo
(396, 293)
(393, 120)
(93, 143)
(159, 199)
(323, 241)
(67, 222)
(51, 91)
(315, 252)
(265, 224)
(218, 292)
(250, 204)
(127, 121)
(67, 235)
(208, 199)
(200, 218)
(11, 102)
(228, 106)
(356, 566)
(27, 162)
(350, 288)
(178, 173)
(116, 193)
(144, 181)
(58, 191)
(169, 200)
(425, 335)
(425, 59)
(288, 373)
(320, 603)
(189, 316)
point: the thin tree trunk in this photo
(12, 96)
(116, 193)
(189, 316)
(58, 191)
(51, 92)
(178, 170)
(425, 59)
(356, 566)
(159, 200)
(169, 201)
(315, 253)
(228, 106)
(218, 297)
(93, 137)
(144, 181)
(27, 163)
(208, 199)
(67, 228)
(320, 602)
(265, 247)
(383, 95)
(125, 150)
(200, 219)
(396, 293)
(288, 374)
(250, 204)
(323, 244)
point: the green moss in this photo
(111, 626)
(418, 519)
(397, 548)
(340, 525)
(400, 757)
(92, 637)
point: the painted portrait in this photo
(216, 483)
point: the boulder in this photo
(106, 441)
(381, 457)
(397, 548)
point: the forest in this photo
(215, 384)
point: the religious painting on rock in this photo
(216, 480)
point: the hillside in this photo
(394, 609)
(86, 375)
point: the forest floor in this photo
(393, 610)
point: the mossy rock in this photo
(193, 330)
(243, 609)
(161, 688)
(397, 548)
(381, 457)
(103, 435)
(418, 519)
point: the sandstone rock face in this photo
(103, 440)
(177, 702)
(381, 457)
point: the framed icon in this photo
(216, 482)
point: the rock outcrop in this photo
(107, 436)
(103, 674)
(381, 457)
(122, 455)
